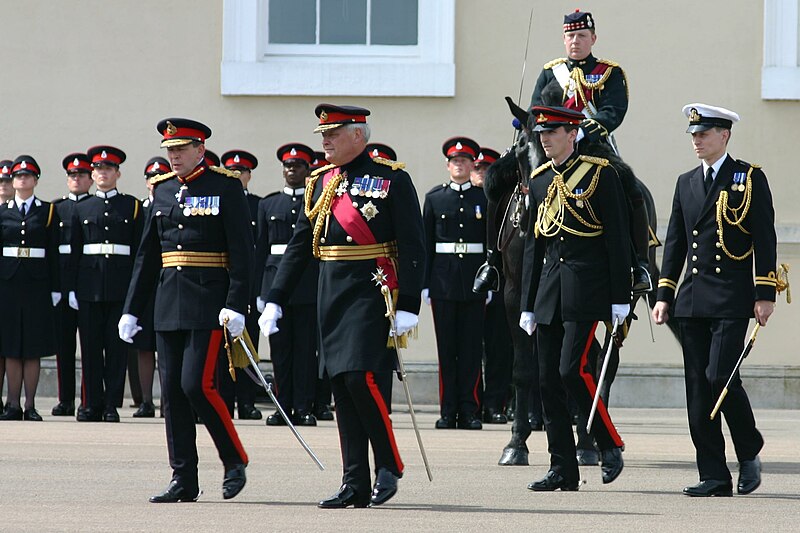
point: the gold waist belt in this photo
(194, 259)
(358, 252)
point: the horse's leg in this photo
(516, 451)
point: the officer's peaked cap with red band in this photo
(461, 147)
(319, 161)
(5, 169)
(332, 116)
(381, 150)
(25, 164)
(180, 131)
(487, 156)
(578, 20)
(155, 166)
(296, 152)
(77, 162)
(549, 118)
(105, 155)
(239, 160)
(211, 159)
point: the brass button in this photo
(349, 238)
(178, 268)
(179, 247)
(717, 257)
(561, 259)
(158, 213)
(106, 241)
(22, 232)
(461, 225)
(717, 270)
(272, 217)
(23, 241)
(322, 240)
(694, 258)
(695, 232)
(461, 209)
(460, 239)
(461, 256)
(719, 245)
(180, 226)
(106, 228)
(694, 271)
(355, 204)
(561, 239)
(694, 245)
(442, 214)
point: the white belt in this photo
(64, 249)
(106, 249)
(459, 247)
(16, 251)
(277, 249)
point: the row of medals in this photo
(199, 211)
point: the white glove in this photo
(56, 297)
(425, 296)
(260, 304)
(405, 322)
(527, 322)
(268, 321)
(235, 321)
(488, 297)
(127, 327)
(619, 312)
(72, 300)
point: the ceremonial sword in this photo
(745, 353)
(602, 377)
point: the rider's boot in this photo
(640, 235)
(488, 276)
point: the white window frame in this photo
(427, 69)
(780, 72)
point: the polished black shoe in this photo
(642, 283)
(493, 416)
(88, 414)
(710, 487)
(304, 419)
(385, 487)
(275, 419)
(446, 422)
(749, 476)
(486, 279)
(553, 481)
(145, 410)
(32, 414)
(587, 457)
(249, 411)
(469, 422)
(177, 492)
(234, 481)
(63, 409)
(324, 413)
(110, 415)
(11, 413)
(612, 464)
(344, 497)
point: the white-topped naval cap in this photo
(703, 117)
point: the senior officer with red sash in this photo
(362, 220)
(196, 253)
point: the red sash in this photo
(354, 224)
(575, 102)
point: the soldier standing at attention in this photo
(196, 253)
(6, 194)
(79, 180)
(576, 273)
(362, 220)
(293, 349)
(722, 224)
(455, 237)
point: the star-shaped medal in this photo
(369, 210)
(379, 277)
(342, 188)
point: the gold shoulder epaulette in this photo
(320, 170)
(541, 168)
(389, 163)
(594, 160)
(162, 177)
(554, 62)
(608, 62)
(743, 162)
(225, 172)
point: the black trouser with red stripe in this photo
(66, 328)
(564, 366)
(104, 356)
(459, 342)
(362, 418)
(188, 362)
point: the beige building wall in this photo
(83, 72)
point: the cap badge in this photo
(292, 152)
(459, 146)
(375, 152)
(323, 116)
(5, 169)
(23, 165)
(75, 162)
(236, 158)
(589, 21)
(694, 116)
(541, 118)
(171, 129)
(155, 167)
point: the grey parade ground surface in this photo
(60, 475)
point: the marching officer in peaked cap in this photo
(78, 167)
(293, 348)
(362, 220)
(107, 228)
(455, 237)
(576, 273)
(29, 287)
(6, 194)
(245, 389)
(598, 88)
(722, 225)
(197, 254)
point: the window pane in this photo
(394, 22)
(343, 22)
(292, 21)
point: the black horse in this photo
(506, 187)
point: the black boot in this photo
(488, 277)
(640, 236)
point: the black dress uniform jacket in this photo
(455, 217)
(715, 284)
(610, 95)
(561, 273)
(65, 208)
(191, 298)
(352, 326)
